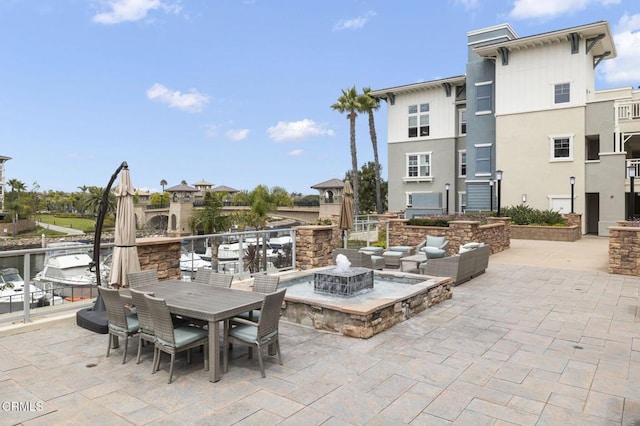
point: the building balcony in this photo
(627, 110)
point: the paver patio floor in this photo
(518, 345)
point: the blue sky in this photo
(237, 93)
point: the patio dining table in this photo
(204, 302)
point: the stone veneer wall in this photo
(624, 249)
(496, 233)
(366, 325)
(314, 244)
(570, 233)
(162, 254)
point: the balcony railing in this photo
(635, 162)
(627, 110)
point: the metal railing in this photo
(635, 163)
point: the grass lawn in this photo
(86, 225)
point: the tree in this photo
(94, 198)
(348, 103)
(367, 183)
(369, 104)
(158, 199)
(163, 183)
(210, 218)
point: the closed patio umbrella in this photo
(125, 253)
(346, 211)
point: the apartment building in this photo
(3, 182)
(524, 124)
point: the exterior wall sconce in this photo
(524, 198)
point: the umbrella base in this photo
(94, 318)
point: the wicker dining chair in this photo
(220, 280)
(258, 335)
(202, 276)
(261, 284)
(142, 278)
(171, 339)
(121, 323)
(146, 332)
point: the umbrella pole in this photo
(345, 236)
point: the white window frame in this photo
(462, 204)
(409, 196)
(483, 145)
(421, 114)
(462, 118)
(552, 146)
(461, 153)
(427, 178)
(560, 86)
(485, 111)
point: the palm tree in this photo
(163, 183)
(16, 185)
(369, 104)
(348, 102)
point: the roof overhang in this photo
(598, 36)
(418, 87)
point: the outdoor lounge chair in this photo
(434, 247)
(141, 278)
(120, 322)
(258, 335)
(171, 339)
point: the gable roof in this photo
(329, 184)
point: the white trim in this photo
(426, 178)
(552, 139)
(460, 152)
(483, 83)
(482, 145)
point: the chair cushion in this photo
(402, 249)
(435, 241)
(392, 254)
(433, 252)
(185, 335)
(469, 246)
(132, 324)
(371, 250)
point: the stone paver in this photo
(522, 344)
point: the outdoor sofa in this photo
(472, 261)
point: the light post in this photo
(446, 188)
(632, 193)
(491, 193)
(572, 181)
(499, 179)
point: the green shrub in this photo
(429, 221)
(526, 215)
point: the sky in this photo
(237, 93)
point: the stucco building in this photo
(528, 107)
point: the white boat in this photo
(66, 271)
(191, 261)
(12, 292)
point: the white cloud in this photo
(547, 9)
(469, 4)
(237, 135)
(624, 68)
(295, 153)
(118, 11)
(297, 130)
(354, 23)
(190, 102)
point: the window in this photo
(483, 97)
(419, 165)
(462, 119)
(421, 118)
(483, 159)
(462, 163)
(409, 199)
(462, 201)
(561, 148)
(561, 93)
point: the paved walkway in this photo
(68, 231)
(522, 344)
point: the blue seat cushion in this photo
(435, 241)
(248, 333)
(402, 249)
(185, 335)
(433, 252)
